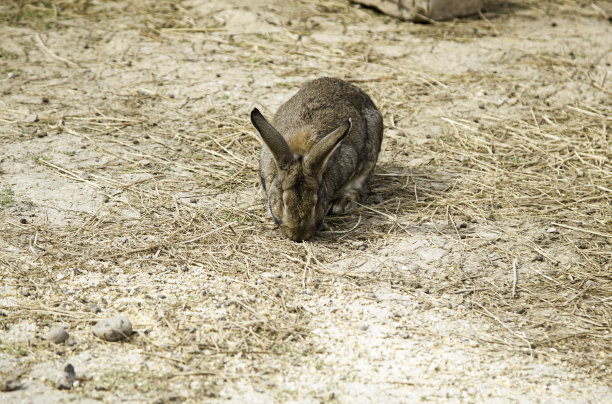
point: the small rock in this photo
(57, 335)
(308, 292)
(364, 327)
(94, 308)
(23, 220)
(590, 284)
(31, 118)
(539, 258)
(10, 384)
(551, 230)
(425, 306)
(113, 329)
(69, 369)
(70, 341)
(66, 379)
(357, 244)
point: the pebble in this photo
(94, 308)
(358, 244)
(31, 118)
(10, 384)
(113, 329)
(66, 379)
(57, 335)
(551, 230)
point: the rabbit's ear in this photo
(274, 140)
(316, 160)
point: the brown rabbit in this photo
(319, 153)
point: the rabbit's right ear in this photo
(316, 160)
(273, 139)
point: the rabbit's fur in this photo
(319, 153)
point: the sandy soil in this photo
(128, 184)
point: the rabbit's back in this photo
(319, 107)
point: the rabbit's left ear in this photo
(316, 160)
(273, 139)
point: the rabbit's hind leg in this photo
(355, 190)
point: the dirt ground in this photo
(480, 268)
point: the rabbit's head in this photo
(297, 195)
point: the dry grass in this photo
(516, 167)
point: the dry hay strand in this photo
(555, 176)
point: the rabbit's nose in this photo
(299, 235)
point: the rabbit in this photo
(319, 153)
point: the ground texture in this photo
(478, 270)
